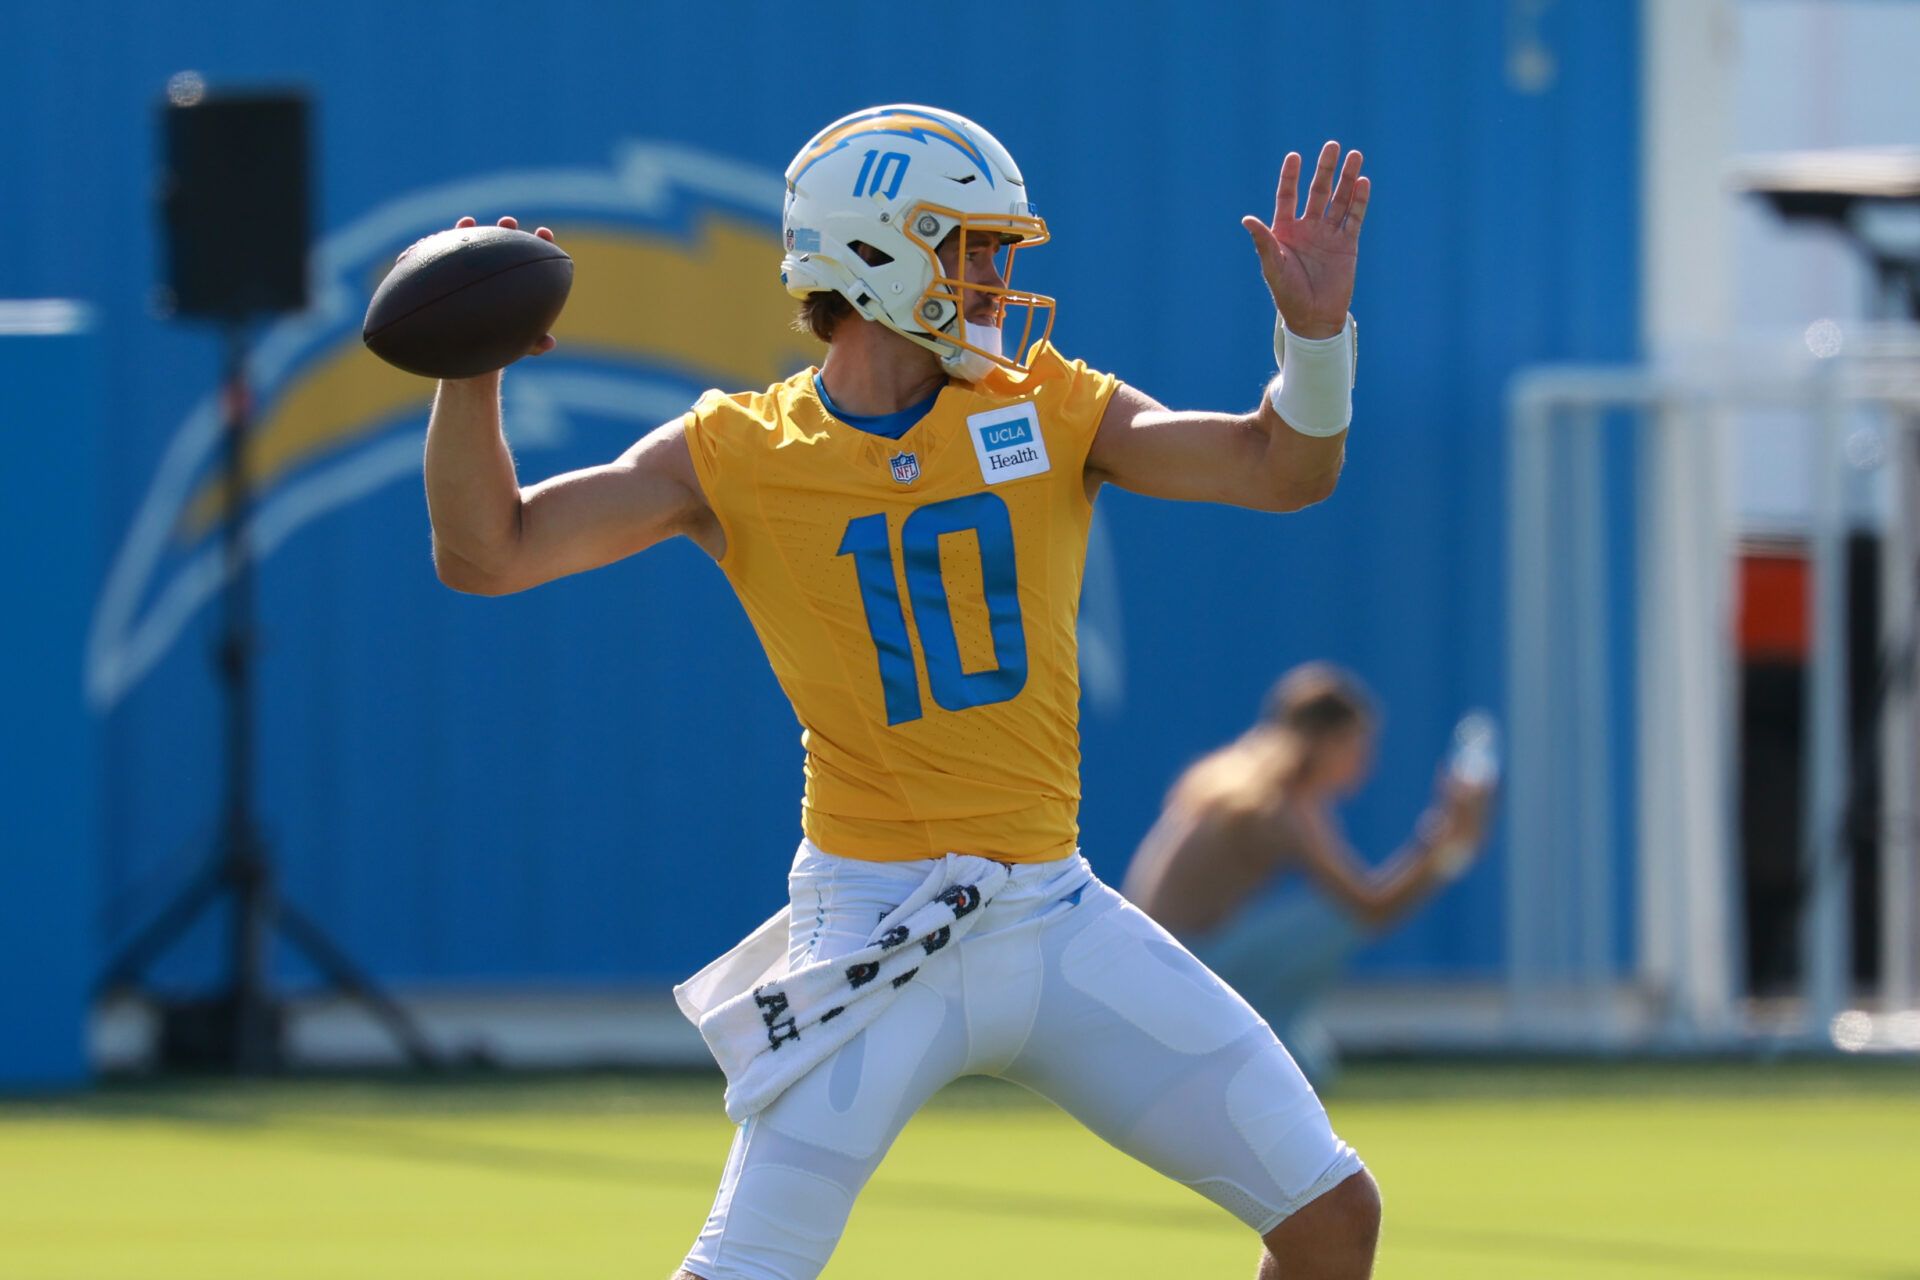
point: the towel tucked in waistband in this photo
(768, 1026)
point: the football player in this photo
(906, 527)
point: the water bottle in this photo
(1474, 760)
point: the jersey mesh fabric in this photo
(933, 668)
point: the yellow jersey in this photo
(917, 598)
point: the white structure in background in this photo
(1563, 903)
(1735, 435)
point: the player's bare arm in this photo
(1256, 459)
(493, 537)
(1445, 838)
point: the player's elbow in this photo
(1317, 487)
(461, 577)
(1300, 489)
(466, 577)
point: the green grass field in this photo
(1806, 1170)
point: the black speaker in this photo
(234, 198)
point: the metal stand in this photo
(1873, 200)
(241, 1027)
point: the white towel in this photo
(767, 1026)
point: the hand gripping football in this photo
(468, 301)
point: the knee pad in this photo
(782, 1224)
(1278, 1115)
(1126, 963)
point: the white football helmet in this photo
(900, 179)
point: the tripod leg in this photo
(348, 978)
(133, 959)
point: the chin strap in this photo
(971, 366)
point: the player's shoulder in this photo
(1068, 396)
(1047, 370)
(742, 410)
(741, 424)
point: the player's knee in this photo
(1343, 1221)
(1358, 1208)
(1350, 1212)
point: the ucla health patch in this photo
(1008, 443)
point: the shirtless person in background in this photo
(1264, 804)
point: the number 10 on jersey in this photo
(952, 688)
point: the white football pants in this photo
(1074, 994)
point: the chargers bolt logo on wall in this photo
(1008, 443)
(334, 427)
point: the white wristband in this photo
(1314, 392)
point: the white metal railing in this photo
(1861, 396)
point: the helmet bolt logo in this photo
(902, 180)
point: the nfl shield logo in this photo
(906, 467)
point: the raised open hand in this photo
(1308, 260)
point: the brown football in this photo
(467, 301)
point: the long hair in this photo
(821, 313)
(1306, 708)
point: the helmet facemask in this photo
(977, 339)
